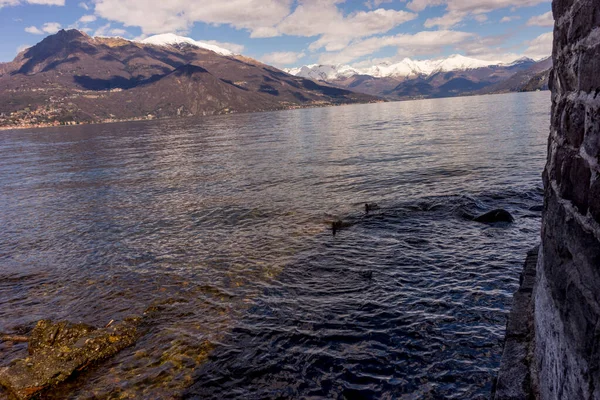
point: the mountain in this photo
(71, 77)
(409, 79)
(170, 39)
(531, 79)
(406, 68)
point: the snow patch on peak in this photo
(458, 62)
(170, 39)
(323, 72)
(521, 60)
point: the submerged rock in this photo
(57, 350)
(371, 207)
(338, 225)
(495, 216)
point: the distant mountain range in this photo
(454, 76)
(71, 77)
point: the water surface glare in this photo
(218, 231)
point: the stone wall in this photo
(567, 292)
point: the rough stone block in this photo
(589, 67)
(567, 66)
(520, 316)
(514, 377)
(584, 19)
(561, 158)
(566, 293)
(560, 7)
(574, 124)
(580, 320)
(591, 141)
(558, 110)
(594, 199)
(575, 182)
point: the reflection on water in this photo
(221, 228)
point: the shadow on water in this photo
(381, 310)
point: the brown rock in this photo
(57, 350)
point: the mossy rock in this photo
(58, 350)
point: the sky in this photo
(290, 33)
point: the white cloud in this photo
(118, 32)
(540, 47)
(48, 27)
(474, 6)
(546, 20)
(422, 43)
(34, 30)
(84, 6)
(446, 21)
(104, 30)
(371, 4)
(262, 18)
(51, 27)
(457, 10)
(282, 58)
(87, 19)
(47, 2)
(420, 5)
(493, 47)
(453, 18)
(233, 47)
(510, 18)
(6, 3)
(179, 15)
(313, 18)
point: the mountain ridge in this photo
(70, 77)
(403, 69)
(453, 76)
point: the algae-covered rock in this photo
(57, 350)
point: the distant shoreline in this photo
(139, 119)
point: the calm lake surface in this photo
(218, 232)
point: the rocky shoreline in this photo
(514, 381)
(56, 351)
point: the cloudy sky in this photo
(289, 33)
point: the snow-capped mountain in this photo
(323, 72)
(452, 76)
(522, 60)
(461, 63)
(406, 68)
(170, 39)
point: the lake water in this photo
(221, 227)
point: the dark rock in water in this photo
(57, 350)
(495, 216)
(371, 207)
(338, 225)
(539, 208)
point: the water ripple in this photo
(219, 230)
